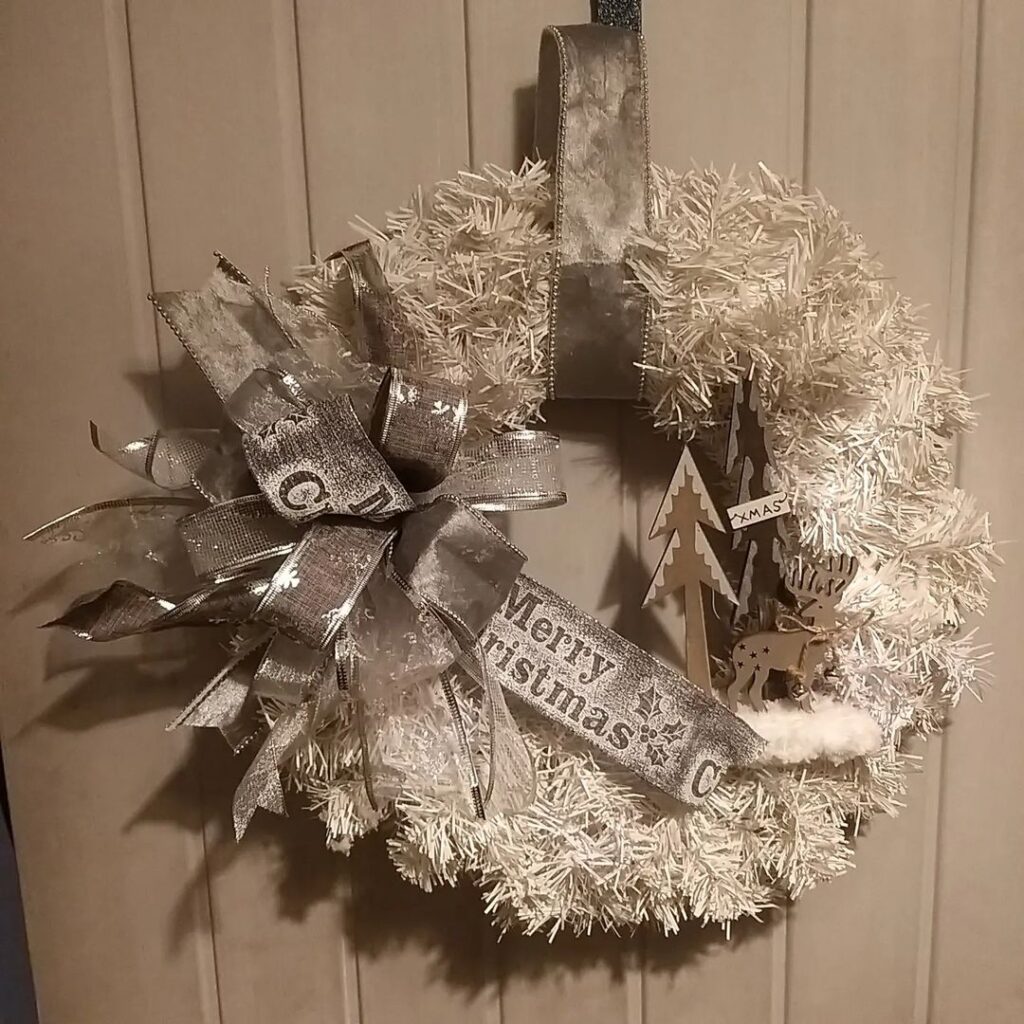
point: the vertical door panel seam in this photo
(139, 270)
(955, 354)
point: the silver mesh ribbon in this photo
(224, 474)
(510, 472)
(236, 535)
(591, 127)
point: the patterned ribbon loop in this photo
(591, 128)
(418, 425)
(367, 311)
(312, 458)
(227, 327)
(318, 460)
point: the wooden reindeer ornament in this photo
(797, 651)
(691, 561)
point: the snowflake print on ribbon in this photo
(655, 732)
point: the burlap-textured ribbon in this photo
(327, 536)
(591, 127)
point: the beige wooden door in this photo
(140, 136)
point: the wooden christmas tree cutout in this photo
(687, 478)
(692, 558)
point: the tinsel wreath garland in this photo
(862, 416)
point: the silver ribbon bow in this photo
(336, 504)
(328, 532)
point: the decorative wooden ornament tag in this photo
(692, 559)
(758, 510)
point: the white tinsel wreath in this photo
(862, 417)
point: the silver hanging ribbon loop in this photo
(591, 128)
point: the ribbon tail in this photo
(511, 776)
(125, 608)
(347, 667)
(121, 610)
(261, 784)
(123, 513)
(227, 702)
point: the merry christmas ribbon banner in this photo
(598, 685)
(315, 509)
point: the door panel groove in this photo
(977, 942)
(135, 223)
(953, 344)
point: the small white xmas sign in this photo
(771, 506)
